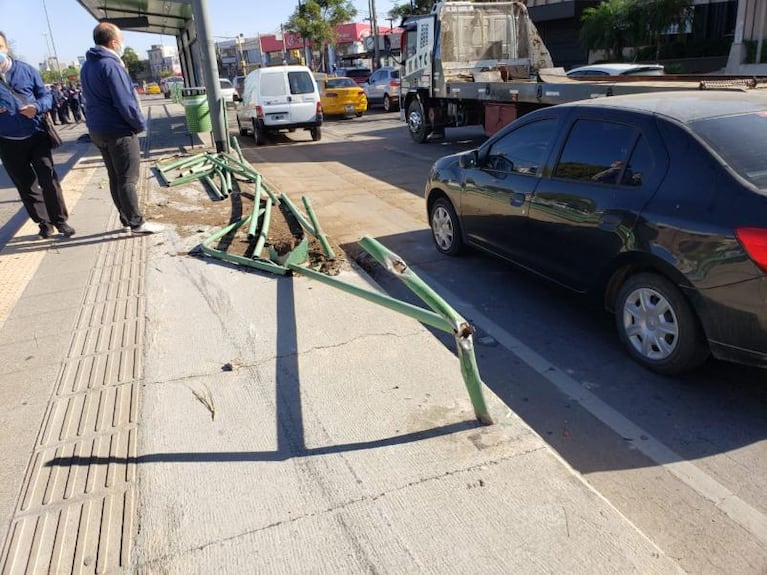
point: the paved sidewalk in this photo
(342, 441)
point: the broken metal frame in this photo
(440, 315)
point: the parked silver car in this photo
(382, 88)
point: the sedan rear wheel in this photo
(445, 227)
(658, 326)
(387, 103)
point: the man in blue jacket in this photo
(25, 148)
(114, 120)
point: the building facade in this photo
(163, 61)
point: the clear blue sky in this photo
(24, 23)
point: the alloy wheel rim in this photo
(414, 121)
(442, 228)
(650, 324)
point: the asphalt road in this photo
(684, 458)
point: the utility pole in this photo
(374, 23)
(53, 43)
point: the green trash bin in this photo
(197, 111)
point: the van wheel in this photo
(243, 131)
(657, 325)
(258, 134)
(359, 114)
(416, 122)
(316, 134)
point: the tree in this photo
(608, 26)
(659, 16)
(134, 66)
(410, 8)
(315, 21)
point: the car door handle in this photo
(610, 221)
(290, 99)
(518, 198)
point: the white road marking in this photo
(751, 519)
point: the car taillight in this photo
(259, 112)
(754, 241)
(394, 83)
(319, 108)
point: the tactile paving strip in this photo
(75, 513)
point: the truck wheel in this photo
(416, 122)
(445, 227)
(658, 326)
(259, 135)
(316, 134)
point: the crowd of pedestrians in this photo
(68, 104)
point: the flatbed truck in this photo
(484, 63)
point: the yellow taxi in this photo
(153, 88)
(341, 96)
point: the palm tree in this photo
(607, 26)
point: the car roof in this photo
(684, 106)
(617, 69)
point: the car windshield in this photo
(340, 83)
(225, 84)
(741, 140)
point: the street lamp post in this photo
(53, 43)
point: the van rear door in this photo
(304, 97)
(274, 99)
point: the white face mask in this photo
(120, 50)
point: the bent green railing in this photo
(440, 314)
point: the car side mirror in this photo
(469, 160)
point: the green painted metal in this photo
(260, 264)
(236, 146)
(297, 213)
(190, 178)
(462, 330)
(298, 255)
(418, 313)
(211, 184)
(256, 206)
(262, 235)
(318, 230)
(180, 163)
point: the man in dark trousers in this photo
(25, 148)
(114, 120)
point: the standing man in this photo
(114, 121)
(25, 149)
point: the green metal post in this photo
(318, 230)
(180, 162)
(424, 316)
(256, 206)
(299, 216)
(240, 260)
(216, 192)
(236, 146)
(462, 330)
(189, 178)
(265, 222)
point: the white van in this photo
(280, 98)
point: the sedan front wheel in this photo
(445, 227)
(658, 326)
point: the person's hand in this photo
(28, 111)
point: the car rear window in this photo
(358, 73)
(395, 73)
(224, 84)
(741, 140)
(341, 83)
(300, 82)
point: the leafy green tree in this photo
(133, 64)
(608, 26)
(410, 8)
(315, 22)
(658, 16)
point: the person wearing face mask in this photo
(114, 120)
(25, 148)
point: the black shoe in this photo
(66, 230)
(45, 231)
